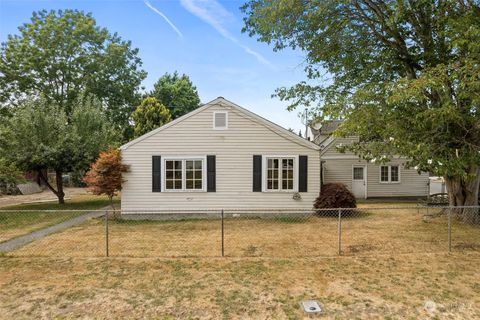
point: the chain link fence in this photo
(240, 232)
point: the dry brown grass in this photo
(367, 233)
(382, 287)
(271, 266)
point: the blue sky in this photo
(201, 38)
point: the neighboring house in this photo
(220, 156)
(365, 179)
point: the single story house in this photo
(365, 179)
(220, 156)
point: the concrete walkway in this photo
(20, 241)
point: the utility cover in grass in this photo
(311, 307)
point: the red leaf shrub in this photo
(335, 195)
(105, 175)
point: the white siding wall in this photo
(234, 149)
(411, 183)
(338, 168)
(331, 150)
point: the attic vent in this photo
(220, 120)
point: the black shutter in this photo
(156, 174)
(257, 173)
(302, 173)
(211, 174)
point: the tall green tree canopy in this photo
(39, 136)
(405, 76)
(61, 53)
(177, 93)
(149, 115)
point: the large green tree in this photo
(61, 53)
(405, 76)
(177, 93)
(39, 136)
(149, 115)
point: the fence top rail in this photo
(238, 210)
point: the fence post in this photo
(449, 229)
(339, 232)
(106, 233)
(223, 236)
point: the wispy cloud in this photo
(148, 4)
(213, 13)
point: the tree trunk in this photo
(464, 193)
(59, 181)
(59, 192)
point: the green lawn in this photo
(16, 222)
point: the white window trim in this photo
(226, 120)
(184, 158)
(389, 174)
(265, 173)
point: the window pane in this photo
(198, 184)
(275, 184)
(284, 184)
(198, 164)
(178, 174)
(384, 174)
(189, 184)
(394, 173)
(189, 174)
(357, 173)
(169, 184)
(169, 164)
(178, 164)
(178, 184)
(188, 164)
(169, 174)
(269, 184)
(198, 175)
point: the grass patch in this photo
(382, 287)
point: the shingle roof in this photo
(328, 126)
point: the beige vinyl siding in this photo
(338, 167)
(331, 149)
(234, 149)
(411, 183)
(339, 170)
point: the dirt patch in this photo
(45, 196)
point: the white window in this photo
(390, 174)
(280, 174)
(184, 174)
(220, 120)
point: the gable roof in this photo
(224, 102)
